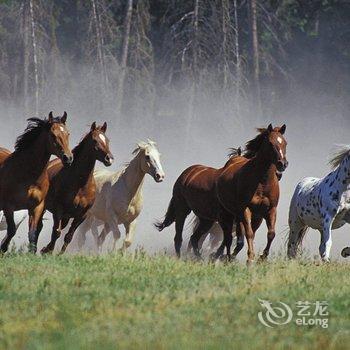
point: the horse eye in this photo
(147, 157)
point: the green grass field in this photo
(137, 301)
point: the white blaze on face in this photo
(279, 139)
(62, 128)
(154, 155)
(102, 138)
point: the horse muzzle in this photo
(282, 165)
(67, 160)
(159, 177)
(108, 160)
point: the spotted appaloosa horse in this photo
(322, 204)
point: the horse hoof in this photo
(262, 258)
(345, 252)
(250, 262)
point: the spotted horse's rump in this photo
(322, 204)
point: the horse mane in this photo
(79, 147)
(143, 145)
(252, 147)
(234, 152)
(32, 132)
(339, 156)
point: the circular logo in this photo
(274, 315)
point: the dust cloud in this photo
(315, 123)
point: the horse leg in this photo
(83, 229)
(68, 237)
(270, 223)
(11, 230)
(55, 234)
(202, 228)
(200, 243)
(240, 238)
(226, 224)
(35, 215)
(179, 225)
(249, 234)
(296, 234)
(116, 237)
(130, 232)
(326, 239)
(215, 237)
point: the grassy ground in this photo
(136, 301)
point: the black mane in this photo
(251, 147)
(32, 132)
(79, 147)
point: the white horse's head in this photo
(150, 160)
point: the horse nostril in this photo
(67, 159)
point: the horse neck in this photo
(263, 166)
(134, 176)
(83, 165)
(341, 175)
(36, 157)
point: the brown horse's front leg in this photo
(69, 236)
(11, 230)
(56, 232)
(249, 234)
(271, 223)
(240, 238)
(35, 215)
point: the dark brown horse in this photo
(24, 181)
(263, 205)
(224, 194)
(72, 190)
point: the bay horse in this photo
(224, 194)
(322, 204)
(24, 180)
(263, 205)
(119, 197)
(72, 190)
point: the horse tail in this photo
(169, 217)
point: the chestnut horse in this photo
(224, 194)
(263, 205)
(24, 181)
(72, 190)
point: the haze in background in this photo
(196, 77)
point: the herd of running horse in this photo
(236, 197)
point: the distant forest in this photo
(154, 57)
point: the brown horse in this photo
(224, 194)
(24, 181)
(72, 190)
(263, 205)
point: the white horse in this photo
(119, 196)
(322, 204)
(19, 217)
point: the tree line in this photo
(137, 57)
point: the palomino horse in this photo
(119, 196)
(322, 204)
(24, 180)
(263, 205)
(72, 190)
(225, 194)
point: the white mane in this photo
(339, 155)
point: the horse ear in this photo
(104, 127)
(269, 128)
(283, 129)
(64, 117)
(93, 126)
(50, 117)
